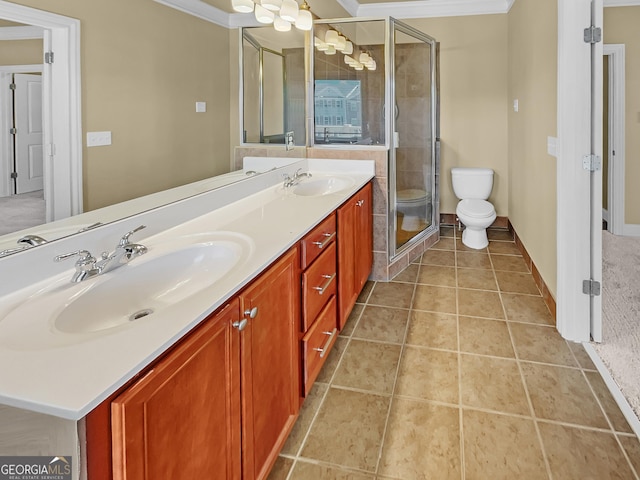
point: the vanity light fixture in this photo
(282, 13)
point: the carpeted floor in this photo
(21, 211)
(620, 347)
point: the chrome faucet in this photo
(87, 266)
(295, 180)
(31, 240)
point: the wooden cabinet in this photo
(355, 249)
(270, 364)
(181, 420)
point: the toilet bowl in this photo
(473, 186)
(412, 203)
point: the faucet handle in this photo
(85, 257)
(125, 238)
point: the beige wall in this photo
(532, 172)
(144, 66)
(20, 52)
(473, 99)
(621, 26)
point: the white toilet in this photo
(473, 186)
(412, 203)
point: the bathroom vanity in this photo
(223, 370)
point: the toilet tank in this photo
(473, 183)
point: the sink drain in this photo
(140, 314)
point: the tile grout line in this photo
(459, 359)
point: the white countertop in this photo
(69, 378)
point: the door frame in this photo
(62, 125)
(616, 132)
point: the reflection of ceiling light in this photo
(372, 65)
(242, 6)
(359, 66)
(364, 57)
(348, 48)
(276, 12)
(341, 44)
(331, 37)
(331, 50)
(349, 60)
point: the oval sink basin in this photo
(171, 272)
(322, 186)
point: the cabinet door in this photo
(182, 419)
(270, 361)
(355, 249)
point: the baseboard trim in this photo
(626, 409)
(631, 230)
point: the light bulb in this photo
(331, 37)
(289, 10)
(331, 50)
(348, 49)
(321, 46)
(372, 65)
(242, 6)
(263, 15)
(273, 5)
(359, 66)
(304, 20)
(349, 61)
(341, 44)
(364, 57)
(281, 25)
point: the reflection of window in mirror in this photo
(348, 96)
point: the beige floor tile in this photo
(435, 299)
(575, 453)
(499, 234)
(562, 394)
(493, 384)
(608, 403)
(461, 247)
(449, 231)
(583, 358)
(516, 282)
(368, 366)
(439, 257)
(330, 365)
(436, 330)
(478, 303)
(512, 263)
(485, 337)
(473, 260)
(478, 279)
(281, 469)
(366, 290)
(348, 429)
(539, 343)
(444, 244)
(501, 447)
(437, 275)
(505, 248)
(632, 447)
(423, 442)
(312, 471)
(307, 412)
(428, 375)
(409, 274)
(526, 308)
(352, 320)
(383, 324)
(392, 294)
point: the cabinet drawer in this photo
(319, 282)
(317, 241)
(318, 341)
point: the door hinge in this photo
(14, 175)
(12, 86)
(592, 34)
(591, 162)
(48, 57)
(591, 288)
(13, 131)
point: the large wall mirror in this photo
(138, 84)
(273, 85)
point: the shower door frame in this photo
(390, 124)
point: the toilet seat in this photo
(411, 196)
(475, 208)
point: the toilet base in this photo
(475, 238)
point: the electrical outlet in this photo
(288, 141)
(98, 139)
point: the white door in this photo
(29, 165)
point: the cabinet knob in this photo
(251, 313)
(241, 325)
(360, 203)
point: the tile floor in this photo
(454, 370)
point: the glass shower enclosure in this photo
(389, 67)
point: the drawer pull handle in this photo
(360, 203)
(251, 313)
(327, 343)
(322, 289)
(241, 325)
(326, 241)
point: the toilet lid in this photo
(476, 208)
(410, 194)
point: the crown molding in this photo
(434, 8)
(351, 6)
(201, 10)
(621, 3)
(21, 33)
